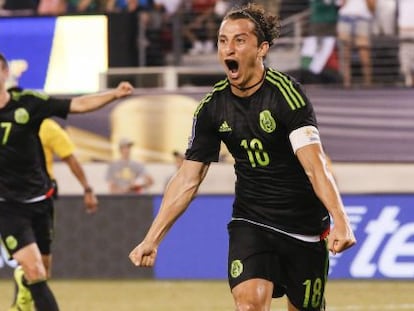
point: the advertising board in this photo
(196, 247)
(58, 55)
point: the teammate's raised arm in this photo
(95, 101)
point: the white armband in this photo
(304, 136)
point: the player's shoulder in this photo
(217, 89)
(18, 93)
(280, 79)
(287, 88)
(214, 93)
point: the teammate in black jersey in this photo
(284, 191)
(25, 188)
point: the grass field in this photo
(120, 295)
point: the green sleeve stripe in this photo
(289, 82)
(295, 91)
(288, 85)
(283, 91)
(221, 84)
(16, 94)
(35, 94)
(217, 87)
(293, 98)
(201, 104)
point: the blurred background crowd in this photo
(348, 42)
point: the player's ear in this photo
(263, 49)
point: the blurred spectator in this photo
(385, 15)
(51, 7)
(319, 53)
(83, 6)
(289, 8)
(129, 5)
(201, 25)
(167, 10)
(19, 8)
(170, 7)
(222, 6)
(126, 175)
(354, 28)
(117, 6)
(149, 23)
(272, 6)
(406, 34)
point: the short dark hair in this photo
(3, 61)
(266, 25)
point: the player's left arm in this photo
(314, 162)
(306, 144)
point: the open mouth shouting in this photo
(233, 68)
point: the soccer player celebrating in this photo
(26, 210)
(284, 193)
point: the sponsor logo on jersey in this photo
(224, 127)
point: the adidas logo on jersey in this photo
(224, 127)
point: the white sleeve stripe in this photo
(304, 136)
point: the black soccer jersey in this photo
(22, 167)
(271, 188)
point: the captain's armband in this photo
(304, 136)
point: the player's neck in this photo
(4, 98)
(245, 91)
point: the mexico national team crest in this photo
(267, 123)
(11, 242)
(21, 116)
(236, 268)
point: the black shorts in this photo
(24, 223)
(298, 269)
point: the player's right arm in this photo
(91, 102)
(180, 191)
